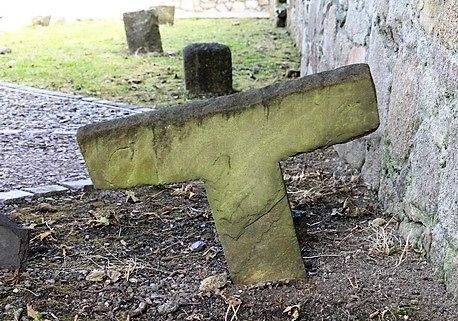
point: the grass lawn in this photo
(91, 58)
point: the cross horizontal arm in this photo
(183, 143)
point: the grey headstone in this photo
(46, 190)
(5, 50)
(14, 196)
(281, 15)
(142, 31)
(165, 14)
(78, 185)
(41, 21)
(14, 242)
(208, 68)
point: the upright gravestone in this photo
(279, 11)
(165, 14)
(234, 144)
(207, 69)
(41, 21)
(142, 31)
(14, 242)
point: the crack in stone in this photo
(259, 240)
(236, 238)
(237, 207)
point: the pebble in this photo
(298, 214)
(18, 314)
(139, 310)
(379, 221)
(197, 246)
(154, 287)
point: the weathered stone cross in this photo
(234, 144)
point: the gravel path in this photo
(38, 134)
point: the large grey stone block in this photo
(13, 244)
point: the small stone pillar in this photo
(208, 69)
(142, 31)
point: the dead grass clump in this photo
(384, 239)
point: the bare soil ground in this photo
(121, 255)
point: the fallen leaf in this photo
(210, 253)
(46, 207)
(213, 282)
(103, 220)
(113, 275)
(131, 198)
(42, 235)
(32, 313)
(194, 316)
(96, 276)
(293, 311)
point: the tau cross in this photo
(234, 145)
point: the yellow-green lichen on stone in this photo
(234, 143)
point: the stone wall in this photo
(412, 160)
